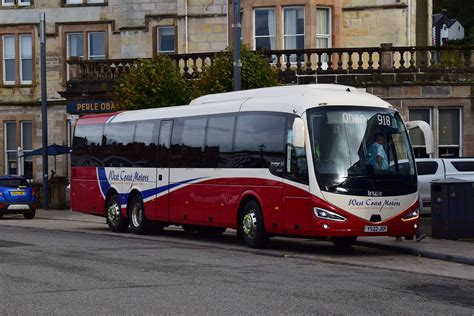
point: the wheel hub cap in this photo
(137, 215)
(113, 213)
(249, 224)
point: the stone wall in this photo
(368, 23)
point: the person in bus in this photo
(377, 155)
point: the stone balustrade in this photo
(355, 66)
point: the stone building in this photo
(114, 29)
(87, 29)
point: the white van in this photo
(433, 169)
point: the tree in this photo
(256, 73)
(151, 84)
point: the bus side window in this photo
(259, 140)
(220, 131)
(144, 147)
(187, 150)
(88, 145)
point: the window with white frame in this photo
(6, 3)
(9, 72)
(83, 1)
(264, 28)
(74, 47)
(26, 59)
(10, 154)
(293, 30)
(26, 147)
(89, 45)
(449, 133)
(96, 41)
(166, 41)
(11, 3)
(17, 59)
(323, 31)
(416, 135)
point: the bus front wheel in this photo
(117, 223)
(252, 229)
(138, 222)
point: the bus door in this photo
(296, 199)
(163, 170)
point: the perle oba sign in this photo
(85, 107)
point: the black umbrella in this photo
(51, 150)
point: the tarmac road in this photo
(70, 264)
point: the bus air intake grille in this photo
(375, 218)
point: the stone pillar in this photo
(386, 58)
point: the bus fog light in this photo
(326, 226)
(412, 215)
(325, 214)
(415, 226)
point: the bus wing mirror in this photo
(427, 133)
(298, 133)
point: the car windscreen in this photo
(13, 183)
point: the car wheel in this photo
(253, 231)
(137, 220)
(117, 223)
(30, 215)
(343, 242)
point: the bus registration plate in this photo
(375, 229)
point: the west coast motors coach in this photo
(313, 161)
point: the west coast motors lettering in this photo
(373, 203)
(130, 177)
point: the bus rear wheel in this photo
(343, 242)
(252, 229)
(117, 223)
(138, 222)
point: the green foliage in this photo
(256, 73)
(153, 83)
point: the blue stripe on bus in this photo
(105, 187)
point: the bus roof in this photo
(290, 99)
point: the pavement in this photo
(457, 251)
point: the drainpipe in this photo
(227, 22)
(409, 23)
(186, 34)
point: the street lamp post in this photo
(236, 27)
(44, 109)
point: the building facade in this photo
(116, 29)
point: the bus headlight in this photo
(325, 214)
(412, 215)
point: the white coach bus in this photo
(313, 161)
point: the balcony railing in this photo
(357, 66)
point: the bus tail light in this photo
(325, 214)
(412, 215)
